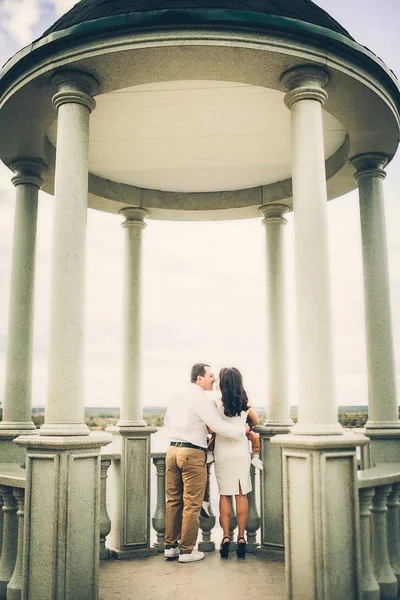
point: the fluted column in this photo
(131, 405)
(317, 406)
(17, 410)
(382, 402)
(74, 102)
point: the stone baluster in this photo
(158, 520)
(207, 523)
(383, 571)
(10, 535)
(370, 587)
(105, 522)
(14, 588)
(393, 529)
(253, 519)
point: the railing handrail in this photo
(12, 475)
(381, 474)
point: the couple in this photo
(189, 417)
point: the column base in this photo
(10, 452)
(64, 429)
(62, 518)
(17, 426)
(271, 551)
(384, 446)
(124, 553)
(130, 506)
(271, 504)
(318, 429)
(274, 424)
(130, 424)
(382, 424)
(320, 491)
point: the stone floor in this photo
(155, 578)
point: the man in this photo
(187, 417)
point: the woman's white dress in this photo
(232, 459)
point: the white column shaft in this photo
(317, 408)
(65, 407)
(278, 413)
(18, 388)
(382, 407)
(131, 405)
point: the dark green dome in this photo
(299, 10)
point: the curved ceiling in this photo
(195, 136)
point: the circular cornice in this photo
(98, 45)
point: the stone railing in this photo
(379, 490)
(207, 524)
(12, 496)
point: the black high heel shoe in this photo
(241, 548)
(224, 549)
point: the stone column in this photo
(62, 507)
(319, 463)
(130, 536)
(17, 410)
(65, 407)
(317, 407)
(131, 406)
(278, 409)
(383, 425)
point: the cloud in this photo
(19, 17)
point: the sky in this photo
(204, 285)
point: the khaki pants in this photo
(186, 478)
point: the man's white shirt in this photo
(188, 414)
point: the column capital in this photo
(274, 213)
(370, 164)
(305, 83)
(135, 216)
(28, 171)
(75, 87)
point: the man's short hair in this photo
(198, 370)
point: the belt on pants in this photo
(187, 445)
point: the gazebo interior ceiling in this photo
(195, 136)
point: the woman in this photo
(232, 458)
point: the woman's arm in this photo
(252, 416)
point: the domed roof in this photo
(299, 10)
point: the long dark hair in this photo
(234, 397)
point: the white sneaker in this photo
(257, 463)
(192, 557)
(171, 551)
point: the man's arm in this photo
(208, 413)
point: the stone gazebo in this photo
(199, 109)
